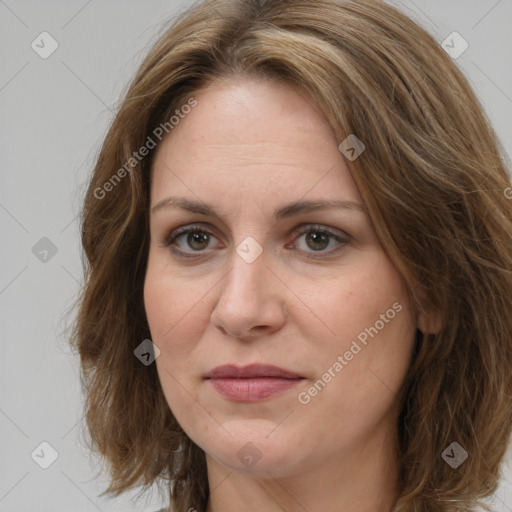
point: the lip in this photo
(251, 383)
(231, 371)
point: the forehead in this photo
(248, 137)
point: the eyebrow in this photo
(286, 211)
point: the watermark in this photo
(454, 455)
(508, 192)
(352, 147)
(249, 455)
(138, 156)
(44, 250)
(249, 249)
(147, 352)
(455, 45)
(44, 45)
(44, 455)
(304, 397)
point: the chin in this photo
(254, 448)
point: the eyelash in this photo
(170, 239)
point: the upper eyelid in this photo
(305, 226)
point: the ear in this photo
(430, 322)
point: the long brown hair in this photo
(432, 176)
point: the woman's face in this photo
(268, 276)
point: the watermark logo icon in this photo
(44, 455)
(249, 455)
(44, 250)
(454, 455)
(455, 45)
(352, 147)
(146, 352)
(249, 249)
(44, 45)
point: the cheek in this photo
(357, 297)
(177, 316)
(158, 303)
(173, 318)
(372, 327)
(167, 300)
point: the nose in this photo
(251, 300)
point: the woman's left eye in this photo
(316, 239)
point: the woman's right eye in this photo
(190, 237)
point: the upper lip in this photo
(250, 371)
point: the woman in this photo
(299, 272)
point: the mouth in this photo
(251, 383)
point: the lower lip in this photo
(252, 389)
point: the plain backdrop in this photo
(54, 113)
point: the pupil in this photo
(317, 238)
(199, 238)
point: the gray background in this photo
(54, 114)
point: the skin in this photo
(249, 147)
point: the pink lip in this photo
(250, 371)
(251, 383)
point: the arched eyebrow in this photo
(289, 210)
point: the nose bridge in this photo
(248, 259)
(248, 268)
(247, 297)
